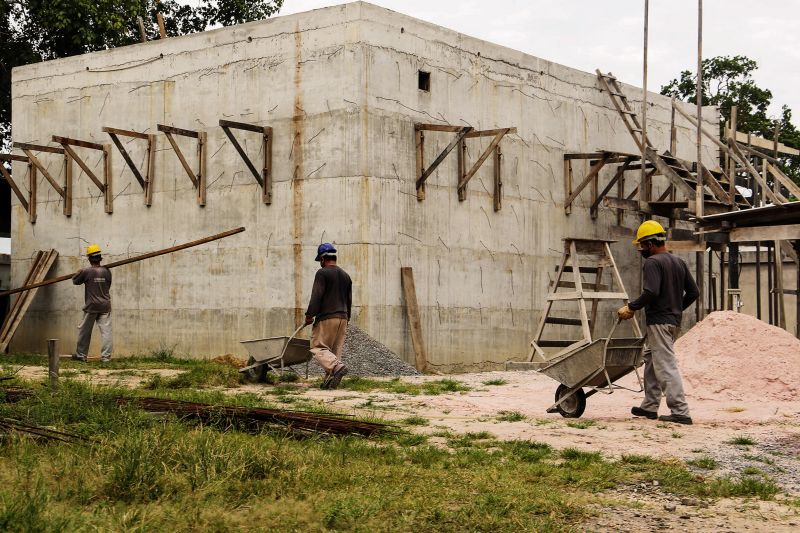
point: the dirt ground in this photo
(606, 426)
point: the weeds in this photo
(581, 424)
(396, 386)
(741, 441)
(706, 463)
(495, 381)
(415, 421)
(510, 416)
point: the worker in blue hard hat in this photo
(329, 311)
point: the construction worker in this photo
(329, 311)
(667, 289)
(96, 281)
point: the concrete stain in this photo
(298, 134)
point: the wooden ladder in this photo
(580, 291)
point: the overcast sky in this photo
(589, 34)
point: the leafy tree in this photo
(37, 30)
(727, 82)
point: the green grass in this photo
(396, 386)
(705, 462)
(760, 458)
(510, 416)
(147, 473)
(415, 421)
(581, 424)
(744, 440)
(495, 381)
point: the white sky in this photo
(5, 246)
(608, 34)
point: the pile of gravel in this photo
(364, 356)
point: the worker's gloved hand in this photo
(625, 313)
(309, 320)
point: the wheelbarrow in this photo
(275, 354)
(595, 366)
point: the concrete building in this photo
(342, 88)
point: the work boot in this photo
(326, 383)
(638, 411)
(677, 419)
(337, 376)
(76, 357)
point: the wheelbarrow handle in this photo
(290, 339)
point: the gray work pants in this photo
(85, 334)
(661, 374)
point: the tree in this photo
(37, 30)
(727, 82)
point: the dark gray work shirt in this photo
(668, 288)
(96, 281)
(332, 294)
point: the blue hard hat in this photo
(324, 249)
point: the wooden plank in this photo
(620, 172)
(126, 133)
(412, 312)
(779, 285)
(13, 157)
(182, 159)
(669, 173)
(563, 321)
(42, 268)
(567, 184)
(498, 179)
(11, 183)
(587, 295)
(686, 246)
(483, 157)
(437, 127)
(766, 144)
(39, 148)
(784, 180)
(38, 164)
(67, 185)
(84, 167)
(77, 142)
(178, 131)
(131, 165)
(32, 183)
(588, 179)
(255, 128)
(555, 343)
(201, 173)
(18, 301)
(421, 180)
(490, 133)
(162, 31)
(419, 142)
(461, 156)
(142, 33)
(571, 285)
(151, 165)
(742, 160)
(584, 269)
(765, 233)
(249, 164)
(576, 277)
(267, 169)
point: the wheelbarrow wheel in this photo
(572, 407)
(255, 375)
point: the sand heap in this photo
(732, 356)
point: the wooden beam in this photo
(11, 183)
(178, 131)
(38, 164)
(126, 133)
(437, 127)
(587, 295)
(740, 158)
(490, 133)
(255, 128)
(77, 142)
(142, 33)
(457, 139)
(498, 179)
(620, 171)
(13, 157)
(181, 158)
(485, 155)
(32, 182)
(235, 142)
(39, 148)
(81, 163)
(127, 158)
(765, 233)
(595, 169)
(784, 180)
(415, 323)
(162, 31)
(766, 144)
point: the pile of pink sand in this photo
(732, 356)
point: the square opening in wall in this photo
(424, 81)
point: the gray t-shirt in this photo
(96, 281)
(667, 289)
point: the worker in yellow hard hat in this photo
(667, 290)
(96, 281)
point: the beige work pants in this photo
(85, 334)
(327, 340)
(661, 374)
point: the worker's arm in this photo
(108, 273)
(317, 291)
(651, 286)
(80, 277)
(349, 302)
(690, 290)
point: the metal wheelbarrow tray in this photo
(597, 366)
(276, 354)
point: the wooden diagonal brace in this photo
(740, 158)
(103, 185)
(620, 172)
(498, 136)
(419, 128)
(263, 178)
(64, 192)
(199, 178)
(7, 175)
(145, 181)
(595, 169)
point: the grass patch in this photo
(581, 424)
(676, 435)
(415, 421)
(743, 440)
(706, 463)
(510, 416)
(760, 458)
(397, 386)
(495, 381)
(197, 377)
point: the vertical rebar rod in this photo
(758, 280)
(644, 185)
(699, 193)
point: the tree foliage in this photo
(728, 81)
(37, 30)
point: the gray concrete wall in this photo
(747, 282)
(339, 87)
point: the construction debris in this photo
(14, 394)
(9, 425)
(364, 356)
(296, 421)
(230, 360)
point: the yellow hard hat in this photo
(648, 229)
(92, 249)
